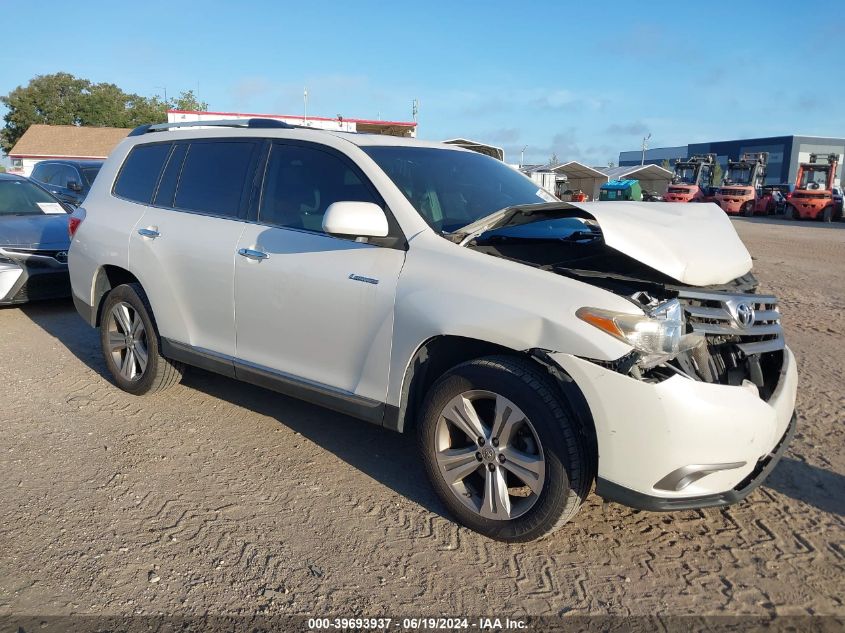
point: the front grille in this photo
(717, 316)
(743, 339)
(733, 192)
(50, 286)
(678, 190)
(811, 196)
(59, 256)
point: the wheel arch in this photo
(108, 277)
(439, 354)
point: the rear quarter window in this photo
(140, 172)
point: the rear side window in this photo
(215, 177)
(141, 169)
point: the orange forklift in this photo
(742, 188)
(812, 198)
(693, 179)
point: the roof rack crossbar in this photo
(248, 123)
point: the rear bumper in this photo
(86, 311)
(640, 501)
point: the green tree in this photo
(62, 99)
(52, 99)
(187, 100)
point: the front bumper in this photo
(26, 278)
(646, 431)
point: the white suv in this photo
(535, 346)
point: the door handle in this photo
(150, 233)
(252, 254)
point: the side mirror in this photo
(355, 219)
(74, 186)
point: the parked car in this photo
(534, 348)
(33, 242)
(838, 202)
(785, 190)
(68, 180)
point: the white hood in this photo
(694, 243)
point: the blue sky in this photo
(581, 79)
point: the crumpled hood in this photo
(694, 243)
(46, 231)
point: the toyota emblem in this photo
(744, 315)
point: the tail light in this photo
(74, 221)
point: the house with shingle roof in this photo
(72, 142)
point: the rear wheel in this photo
(130, 343)
(501, 450)
(791, 213)
(748, 209)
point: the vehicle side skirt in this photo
(315, 393)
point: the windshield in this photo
(89, 173)
(813, 179)
(685, 175)
(739, 176)
(451, 188)
(20, 197)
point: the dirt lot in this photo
(218, 497)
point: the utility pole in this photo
(415, 110)
(645, 147)
(305, 99)
(522, 156)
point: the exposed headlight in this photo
(658, 334)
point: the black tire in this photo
(748, 209)
(827, 215)
(790, 213)
(159, 373)
(569, 460)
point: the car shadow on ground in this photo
(387, 457)
(813, 485)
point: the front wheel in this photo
(827, 214)
(130, 343)
(502, 451)
(791, 213)
(748, 209)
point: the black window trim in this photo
(395, 237)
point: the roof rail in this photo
(247, 123)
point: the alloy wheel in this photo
(489, 455)
(127, 341)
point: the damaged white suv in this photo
(535, 347)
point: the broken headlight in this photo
(657, 335)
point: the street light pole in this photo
(645, 147)
(522, 156)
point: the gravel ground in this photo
(221, 498)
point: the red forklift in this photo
(742, 187)
(693, 179)
(812, 198)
